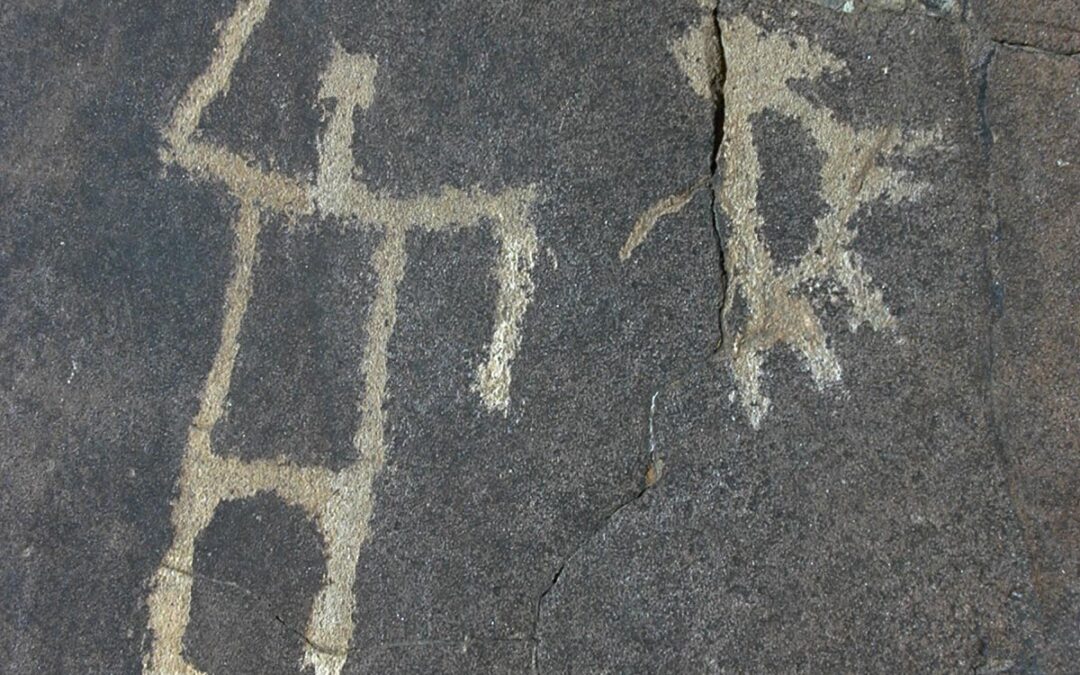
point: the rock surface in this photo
(1049, 25)
(1032, 117)
(493, 337)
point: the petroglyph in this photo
(759, 68)
(340, 502)
(699, 57)
(698, 54)
(652, 215)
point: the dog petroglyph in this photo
(340, 502)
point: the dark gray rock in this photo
(781, 395)
(867, 526)
(1052, 25)
(1032, 117)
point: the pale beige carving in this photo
(652, 215)
(340, 502)
(759, 69)
(698, 55)
(697, 51)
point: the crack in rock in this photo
(604, 523)
(257, 597)
(653, 475)
(714, 58)
(718, 80)
(1034, 48)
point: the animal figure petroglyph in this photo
(340, 502)
(759, 69)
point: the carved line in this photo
(340, 502)
(850, 176)
(778, 311)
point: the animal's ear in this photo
(349, 78)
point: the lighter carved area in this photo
(340, 502)
(759, 67)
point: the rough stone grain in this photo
(1032, 114)
(796, 380)
(1051, 25)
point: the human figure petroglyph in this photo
(340, 502)
(758, 69)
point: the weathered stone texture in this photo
(794, 382)
(1052, 25)
(1033, 115)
